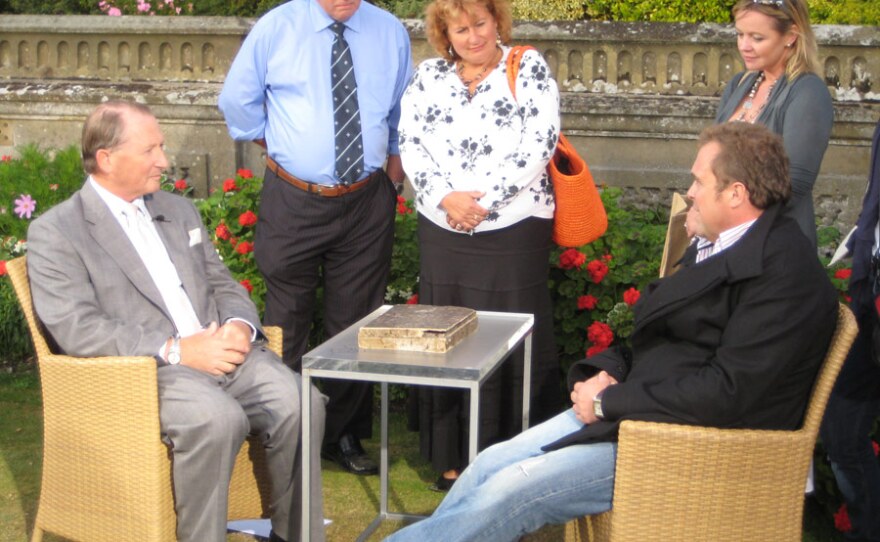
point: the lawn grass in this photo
(350, 501)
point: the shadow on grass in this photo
(21, 453)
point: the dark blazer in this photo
(95, 296)
(734, 341)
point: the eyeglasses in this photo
(778, 3)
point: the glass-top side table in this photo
(466, 366)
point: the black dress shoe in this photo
(349, 454)
(443, 484)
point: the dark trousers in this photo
(852, 409)
(305, 241)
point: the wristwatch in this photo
(597, 405)
(174, 351)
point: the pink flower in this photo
(5, 158)
(25, 205)
(114, 12)
(413, 300)
(587, 302)
(597, 270)
(143, 7)
(631, 296)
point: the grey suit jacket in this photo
(95, 296)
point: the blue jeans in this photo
(514, 488)
(852, 408)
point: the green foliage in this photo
(405, 9)
(404, 277)
(631, 249)
(691, 11)
(864, 12)
(230, 216)
(14, 334)
(51, 7)
(48, 177)
(550, 10)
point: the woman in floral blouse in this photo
(477, 158)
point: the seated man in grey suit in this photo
(124, 269)
(733, 339)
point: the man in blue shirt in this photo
(320, 219)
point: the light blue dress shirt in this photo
(278, 87)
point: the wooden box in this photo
(420, 328)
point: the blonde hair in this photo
(789, 15)
(440, 12)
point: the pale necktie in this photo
(154, 256)
(346, 115)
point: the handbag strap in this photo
(513, 60)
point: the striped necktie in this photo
(346, 115)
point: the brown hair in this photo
(753, 155)
(787, 14)
(104, 129)
(440, 12)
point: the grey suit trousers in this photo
(205, 420)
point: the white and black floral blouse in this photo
(491, 142)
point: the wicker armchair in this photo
(686, 483)
(106, 472)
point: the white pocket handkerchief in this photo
(195, 237)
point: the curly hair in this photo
(439, 13)
(752, 155)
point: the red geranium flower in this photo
(244, 247)
(873, 442)
(247, 285)
(600, 334)
(571, 258)
(631, 296)
(2, 268)
(597, 270)
(587, 302)
(180, 185)
(5, 158)
(245, 173)
(229, 185)
(413, 300)
(222, 232)
(247, 218)
(606, 257)
(843, 273)
(841, 520)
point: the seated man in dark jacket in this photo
(734, 339)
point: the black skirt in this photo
(504, 270)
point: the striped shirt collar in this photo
(726, 239)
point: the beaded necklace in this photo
(749, 103)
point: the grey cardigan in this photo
(801, 112)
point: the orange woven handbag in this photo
(580, 215)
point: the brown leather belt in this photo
(317, 189)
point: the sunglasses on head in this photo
(778, 3)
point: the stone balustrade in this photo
(635, 94)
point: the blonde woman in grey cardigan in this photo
(781, 89)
